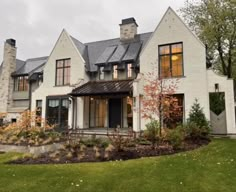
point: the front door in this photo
(115, 112)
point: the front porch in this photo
(102, 107)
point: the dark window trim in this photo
(113, 72)
(63, 80)
(60, 98)
(25, 83)
(170, 54)
(100, 72)
(39, 110)
(132, 70)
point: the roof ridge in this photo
(37, 58)
(113, 38)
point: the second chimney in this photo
(128, 29)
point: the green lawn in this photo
(210, 168)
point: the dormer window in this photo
(129, 70)
(101, 73)
(63, 72)
(114, 72)
(21, 83)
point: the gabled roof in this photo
(92, 53)
(29, 66)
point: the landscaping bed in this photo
(75, 153)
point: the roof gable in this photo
(176, 17)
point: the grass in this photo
(210, 168)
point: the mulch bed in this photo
(128, 153)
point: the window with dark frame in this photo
(115, 72)
(171, 60)
(21, 83)
(63, 72)
(129, 70)
(101, 73)
(38, 112)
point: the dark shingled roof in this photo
(93, 50)
(19, 64)
(30, 65)
(106, 51)
(92, 88)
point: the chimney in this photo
(8, 67)
(128, 29)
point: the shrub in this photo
(196, 132)
(197, 125)
(119, 141)
(151, 133)
(175, 137)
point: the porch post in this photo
(80, 112)
(70, 113)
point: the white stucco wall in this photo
(63, 49)
(226, 86)
(193, 84)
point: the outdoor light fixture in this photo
(217, 87)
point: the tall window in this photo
(21, 83)
(129, 70)
(57, 111)
(38, 112)
(115, 72)
(63, 72)
(171, 60)
(101, 73)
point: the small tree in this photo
(196, 115)
(158, 101)
(198, 126)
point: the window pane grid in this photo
(171, 60)
(129, 70)
(115, 72)
(21, 83)
(63, 72)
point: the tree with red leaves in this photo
(159, 101)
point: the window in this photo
(38, 112)
(115, 72)
(171, 60)
(21, 83)
(129, 70)
(101, 73)
(13, 120)
(1, 122)
(63, 72)
(57, 112)
(176, 114)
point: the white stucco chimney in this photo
(128, 29)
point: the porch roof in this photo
(93, 88)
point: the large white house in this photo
(98, 84)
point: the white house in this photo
(98, 84)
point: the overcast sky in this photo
(36, 24)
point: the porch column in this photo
(80, 112)
(136, 114)
(70, 113)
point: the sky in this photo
(37, 24)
